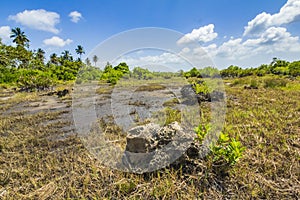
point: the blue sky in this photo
(239, 32)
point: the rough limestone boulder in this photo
(191, 98)
(150, 147)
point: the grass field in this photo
(42, 158)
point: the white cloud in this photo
(38, 19)
(275, 40)
(232, 49)
(162, 61)
(185, 50)
(288, 13)
(202, 34)
(5, 33)
(163, 58)
(75, 16)
(57, 42)
(210, 48)
(264, 38)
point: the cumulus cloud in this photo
(233, 49)
(75, 16)
(38, 19)
(202, 34)
(264, 37)
(185, 50)
(163, 58)
(5, 33)
(288, 13)
(57, 42)
(158, 62)
(276, 37)
(271, 41)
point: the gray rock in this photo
(151, 147)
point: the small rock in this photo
(249, 87)
(62, 93)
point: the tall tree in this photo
(88, 62)
(19, 37)
(95, 59)
(40, 54)
(66, 55)
(54, 59)
(80, 51)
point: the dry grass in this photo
(171, 102)
(33, 166)
(150, 87)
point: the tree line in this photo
(276, 67)
(29, 70)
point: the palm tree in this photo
(88, 62)
(95, 59)
(19, 37)
(66, 55)
(40, 54)
(54, 58)
(80, 51)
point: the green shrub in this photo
(294, 68)
(273, 82)
(112, 75)
(30, 80)
(226, 150)
(8, 75)
(201, 131)
(201, 88)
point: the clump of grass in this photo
(104, 90)
(253, 83)
(167, 116)
(171, 102)
(275, 82)
(172, 115)
(137, 103)
(151, 87)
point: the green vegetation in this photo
(226, 151)
(113, 74)
(276, 67)
(261, 124)
(27, 69)
(255, 157)
(201, 88)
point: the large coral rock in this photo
(150, 147)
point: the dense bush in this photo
(8, 75)
(88, 73)
(67, 71)
(140, 73)
(294, 68)
(31, 79)
(27, 69)
(113, 74)
(276, 67)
